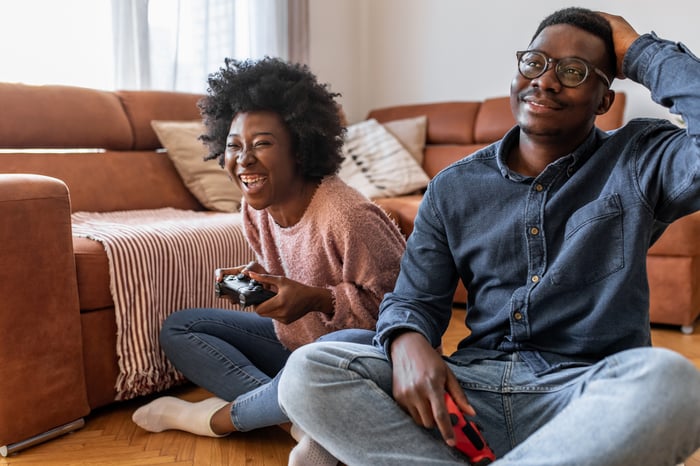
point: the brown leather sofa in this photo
(57, 350)
(459, 128)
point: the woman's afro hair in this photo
(308, 109)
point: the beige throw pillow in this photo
(207, 181)
(411, 133)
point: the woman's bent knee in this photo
(173, 329)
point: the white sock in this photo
(296, 433)
(307, 452)
(169, 412)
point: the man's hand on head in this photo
(623, 36)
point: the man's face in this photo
(546, 110)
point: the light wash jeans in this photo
(640, 407)
(236, 356)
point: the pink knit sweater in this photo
(345, 243)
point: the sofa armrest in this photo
(42, 385)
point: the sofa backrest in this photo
(458, 128)
(100, 143)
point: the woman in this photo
(329, 253)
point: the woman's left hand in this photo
(293, 301)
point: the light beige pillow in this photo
(411, 133)
(207, 181)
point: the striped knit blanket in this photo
(160, 261)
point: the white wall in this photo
(388, 52)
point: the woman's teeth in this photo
(252, 180)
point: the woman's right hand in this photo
(294, 300)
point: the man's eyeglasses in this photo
(570, 71)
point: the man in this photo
(549, 229)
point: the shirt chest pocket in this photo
(593, 246)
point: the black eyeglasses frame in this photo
(555, 61)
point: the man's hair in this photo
(307, 108)
(589, 21)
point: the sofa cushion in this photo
(448, 122)
(207, 181)
(92, 270)
(376, 164)
(109, 180)
(494, 120)
(142, 107)
(71, 117)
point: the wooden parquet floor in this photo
(110, 438)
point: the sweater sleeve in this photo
(371, 246)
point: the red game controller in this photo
(469, 439)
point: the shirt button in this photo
(539, 187)
(534, 231)
(535, 278)
(518, 316)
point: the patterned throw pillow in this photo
(377, 165)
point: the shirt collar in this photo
(572, 161)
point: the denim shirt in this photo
(555, 265)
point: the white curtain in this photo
(131, 50)
(176, 44)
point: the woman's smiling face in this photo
(260, 157)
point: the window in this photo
(136, 44)
(50, 42)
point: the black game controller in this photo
(241, 287)
(469, 439)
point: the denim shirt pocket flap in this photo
(593, 246)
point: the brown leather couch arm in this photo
(42, 382)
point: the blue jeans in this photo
(236, 356)
(637, 407)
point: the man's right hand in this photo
(420, 379)
(623, 36)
